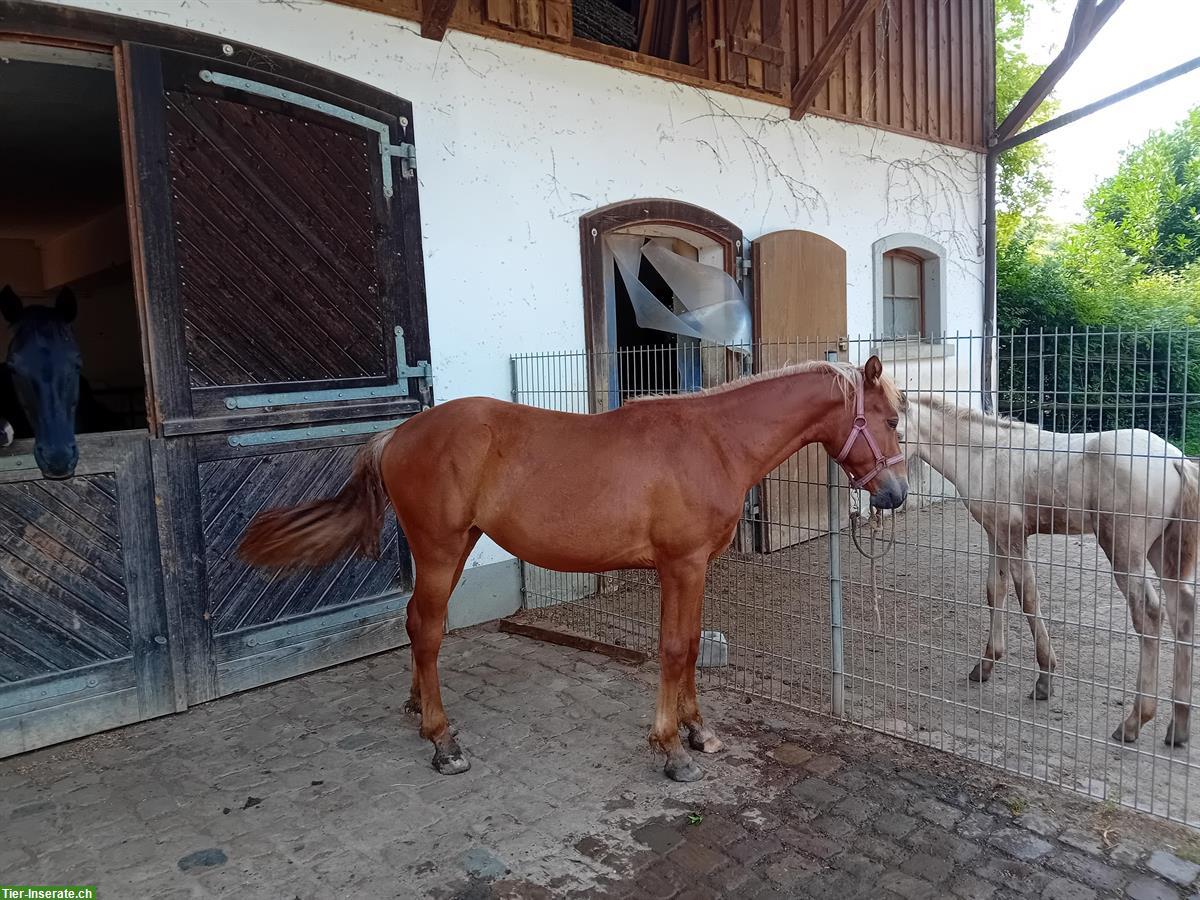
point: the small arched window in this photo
(910, 301)
(902, 306)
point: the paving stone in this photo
(1021, 844)
(696, 859)
(858, 810)
(1150, 889)
(895, 824)
(658, 837)
(941, 814)
(931, 868)
(750, 850)
(1082, 840)
(1038, 823)
(938, 842)
(968, 887)
(824, 766)
(817, 792)
(1065, 889)
(860, 866)
(907, 886)
(1172, 868)
(834, 826)
(1090, 870)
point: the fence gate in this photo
(280, 255)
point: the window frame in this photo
(933, 258)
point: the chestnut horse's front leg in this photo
(682, 586)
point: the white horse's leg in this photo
(1025, 584)
(997, 591)
(1124, 544)
(1179, 586)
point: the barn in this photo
(291, 225)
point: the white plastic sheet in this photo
(716, 311)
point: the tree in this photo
(1153, 201)
(1022, 184)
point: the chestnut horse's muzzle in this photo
(891, 494)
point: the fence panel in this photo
(914, 584)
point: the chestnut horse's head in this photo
(869, 453)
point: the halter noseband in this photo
(860, 428)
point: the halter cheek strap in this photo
(860, 428)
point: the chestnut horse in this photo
(656, 484)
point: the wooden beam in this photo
(816, 73)
(435, 17)
(1075, 115)
(1087, 20)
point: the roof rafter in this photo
(435, 17)
(816, 73)
(1087, 20)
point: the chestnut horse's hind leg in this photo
(438, 570)
(682, 586)
(700, 736)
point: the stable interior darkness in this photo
(63, 219)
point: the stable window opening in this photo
(64, 244)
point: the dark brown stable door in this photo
(285, 322)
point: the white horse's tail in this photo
(1187, 515)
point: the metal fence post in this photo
(516, 395)
(837, 658)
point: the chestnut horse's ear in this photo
(10, 304)
(66, 305)
(872, 370)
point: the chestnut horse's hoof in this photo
(683, 770)
(705, 740)
(1176, 737)
(450, 761)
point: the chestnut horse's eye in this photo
(893, 423)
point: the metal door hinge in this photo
(422, 371)
(406, 153)
(744, 264)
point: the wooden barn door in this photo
(285, 320)
(84, 637)
(800, 313)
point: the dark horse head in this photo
(44, 363)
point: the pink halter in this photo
(860, 428)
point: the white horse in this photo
(1134, 491)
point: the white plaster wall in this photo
(514, 144)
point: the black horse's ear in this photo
(872, 370)
(66, 305)
(10, 304)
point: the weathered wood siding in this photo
(63, 602)
(233, 490)
(920, 67)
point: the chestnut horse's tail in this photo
(323, 531)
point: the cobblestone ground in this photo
(321, 786)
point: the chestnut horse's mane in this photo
(845, 374)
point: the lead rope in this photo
(879, 548)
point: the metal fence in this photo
(885, 630)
